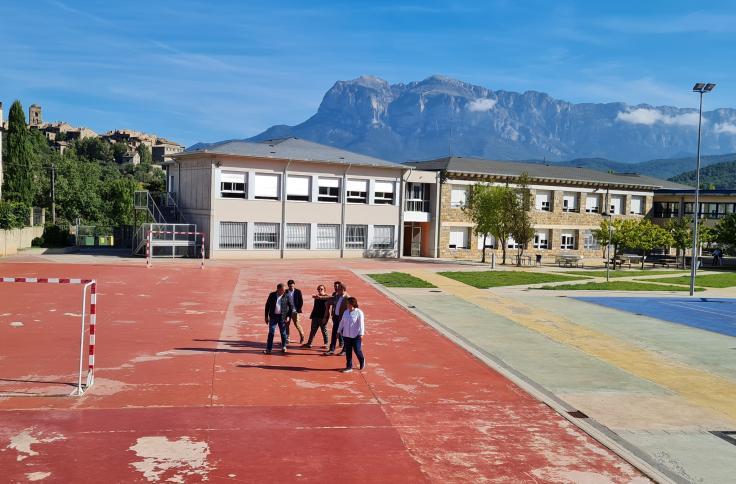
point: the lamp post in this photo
(701, 88)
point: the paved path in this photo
(644, 378)
(184, 394)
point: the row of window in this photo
(460, 239)
(299, 188)
(543, 202)
(707, 210)
(234, 235)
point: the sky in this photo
(205, 71)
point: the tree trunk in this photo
(503, 253)
(483, 254)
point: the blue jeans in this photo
(272, 323)
(355, 344)
(336, 337)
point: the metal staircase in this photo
(159, 213)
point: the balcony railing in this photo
(417, 206)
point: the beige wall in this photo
(208, 214)
(13, 240)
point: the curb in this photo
(602, 434)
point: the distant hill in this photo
(720, 175)
(661, 168)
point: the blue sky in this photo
(205, 71)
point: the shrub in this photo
(13, 215)
(55, 236)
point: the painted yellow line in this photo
(698, 386)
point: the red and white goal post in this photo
(173, 233)
(85, 283)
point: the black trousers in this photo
(317, 324)
(335, 335)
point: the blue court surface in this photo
(711, 314)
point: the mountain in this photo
(439, 115)
(721, 176)
(660, 168)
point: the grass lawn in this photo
(618, 286)
(486, 279)
(625, 273)
(711, 280)
(399, 279)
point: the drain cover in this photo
(727, 435)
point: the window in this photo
(637, 205)
(711, 210)
(490, 242)
(232, 185)
(417, 197)
(542, 201)
(591, 203)
(172, 184)
(327, 236)
(297, 188)
(459, 238)
(384, 193)
(297, 236)
(589, 241)
(267, 186)
(666, 209)
(567, 241)
(541, 239)
(570, 202)
(357, 191)
(458, 197)
(265, 236)
(511, 243)
(329, 190)
(232, 235)
(383, 237)
(689, 208)
(356, 236)
(616, 204)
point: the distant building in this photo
(60, 135)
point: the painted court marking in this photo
(710, 314)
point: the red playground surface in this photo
(183, 393)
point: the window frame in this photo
(329, 197)
(299, 198)
(241, 194)
(351, 244)
(319, 238)
(362, 196)
(278, 186)
(301, 245)
(570, 245)
(384, 246)
(258, 244)
(244, 236)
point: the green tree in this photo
(78, 190)
(647, 236)
(726, 230)
(20, 163)
(118, 195)
(92, 149)
(478, 208)
(521, 224)
(119, 150)
(145, 154)
(681, 232)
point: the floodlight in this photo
(699, 86)
(709, 87)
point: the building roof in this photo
(691, 191)
(543, 172)
(290, 149)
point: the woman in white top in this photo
(352, 329)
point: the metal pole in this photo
(80, 391)
(608, 247)
(696, 210)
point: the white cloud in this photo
(728, 128)
(481, 105)
(652, 116)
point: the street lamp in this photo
(702, 88)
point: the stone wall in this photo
(555, 221)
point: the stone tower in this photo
(34, 115)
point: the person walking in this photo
(337, 307)
(279, 309)
(297, 302)
(352, 329)
(319, 316)
(717, 257)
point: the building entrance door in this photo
(416, 241)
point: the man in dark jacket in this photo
(278, 311)
(298, 302)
